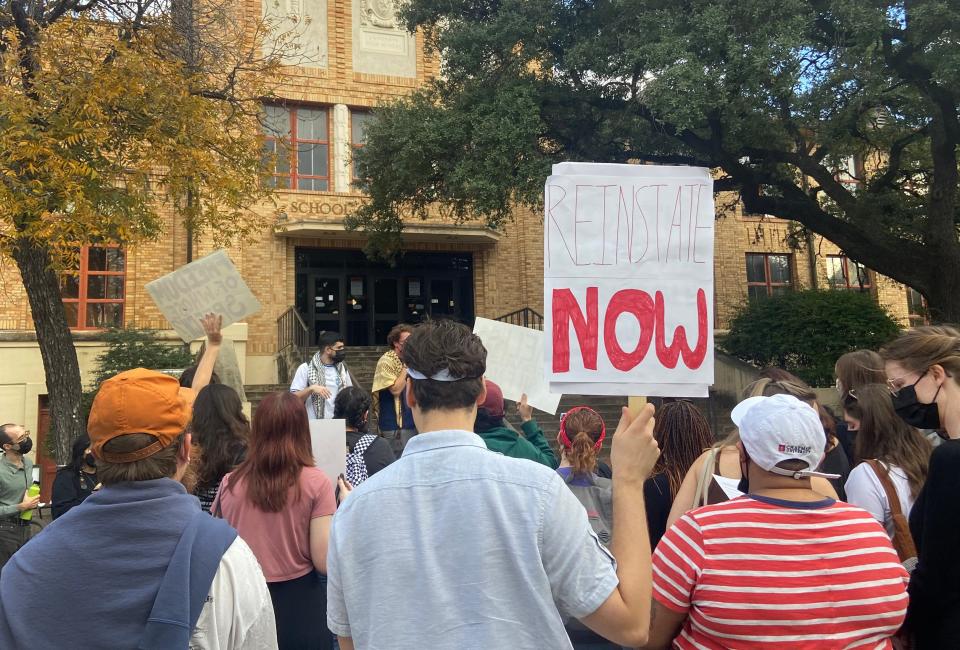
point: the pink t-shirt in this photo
(280, 540)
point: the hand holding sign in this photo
(212, 323)
(635, 450)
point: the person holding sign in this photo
(318, 382)
(493, 551)
(389, 383)
(502, 439)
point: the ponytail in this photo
(582, 456)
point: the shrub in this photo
(130, 348)
(806, 331)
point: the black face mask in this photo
(24, 446)
(339, 356)
(90, 460)
(914, 412)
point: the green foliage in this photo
(128, 349)
(776, 95)
(806, 331)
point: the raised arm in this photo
(211, 327)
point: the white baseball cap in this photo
(778, 428)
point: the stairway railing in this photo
(525, 317)
(292, 341)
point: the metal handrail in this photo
(525, 317)
(292, 340)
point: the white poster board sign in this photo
(329, 441)
(209, 284)
(515, 362)
(628, 280)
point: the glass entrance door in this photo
(327, 296)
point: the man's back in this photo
(454, 546)
(758, 572)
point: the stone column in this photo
(341, 148)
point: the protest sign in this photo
(329, 441)
(515, 362)
(628, 280)
(209, 284)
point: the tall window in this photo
(358, 134)
(93, 295)
(916, 307)
(299, 137)
(844, 273)
(768, 274)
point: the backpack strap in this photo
(364, 443)
(902, 539)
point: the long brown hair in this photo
(859, 368)
(682, 433)
(279, 450)
(884, 436)
(221, 430)
(583, 428)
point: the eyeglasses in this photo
(895, 388)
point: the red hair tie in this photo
(565, 439)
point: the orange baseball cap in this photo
(138, 401)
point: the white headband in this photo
(443, 375)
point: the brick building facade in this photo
(356, 56)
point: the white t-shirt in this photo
(238, 614)
(864, 489)
(330, 379)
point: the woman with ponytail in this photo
(581, 436)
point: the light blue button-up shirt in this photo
(455, 546)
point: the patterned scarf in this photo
(388, 369)
(318, 377)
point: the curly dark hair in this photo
(352, 405)
(446, 345)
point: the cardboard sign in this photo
(209, 284)
(329, 441)
(628, 280)
(515, 362)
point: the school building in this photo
(311, 275)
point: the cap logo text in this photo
(794, 449)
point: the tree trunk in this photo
(59, 356)
(943, 297)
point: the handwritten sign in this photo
(628, 280)
(209, 284)
(329, 441)
(515, 362)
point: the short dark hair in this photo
(394, 336)
(351, 405)
(5, 438)
(328, 339)
(438, 345)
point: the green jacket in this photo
(532, 446)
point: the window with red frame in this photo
(768, 274)
(298, 142)
(844, 273)
(94, 295)
(358, 134)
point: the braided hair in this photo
(682, 433)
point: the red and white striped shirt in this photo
(755, 572)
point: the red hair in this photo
(279, 449)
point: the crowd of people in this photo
(180, 523)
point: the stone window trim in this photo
(768, 273)
(94, 295)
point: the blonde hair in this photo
(918, 349)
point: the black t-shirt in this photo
(377, 456)
(656, 496)
(933, 615)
